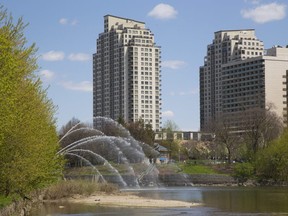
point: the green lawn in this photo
(196, 169)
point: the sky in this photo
(65, 32)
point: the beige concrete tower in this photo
(227, 47)
(126, 72)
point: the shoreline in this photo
(129, 200)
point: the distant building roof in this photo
(161, 148)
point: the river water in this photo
(234, 201)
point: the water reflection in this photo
(217, 201)
(233, 199)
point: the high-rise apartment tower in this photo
(238, 74)
(227, 46)
(126, 73)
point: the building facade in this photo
(238, 74)
(126, 73)
(256, 82)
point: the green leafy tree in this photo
(169, 127)
(272, 162)
(28, 138)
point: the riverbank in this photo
(124, 199)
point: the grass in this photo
(65, 189)
(197, 169)
(5, 201)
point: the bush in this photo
(272, 162)
(242, 172)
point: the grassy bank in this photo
(197, 169)
(65, 189)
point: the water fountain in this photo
(111, 148)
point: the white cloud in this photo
(53, 56)
(163, 11)
(65, 21)
(47, 74)
(79, 57)
(265, 13)
(173, 64)
(82, 86)
(74, 22)
(167, 113)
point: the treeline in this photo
(28, 138)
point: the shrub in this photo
(272, 162)
(242, 172)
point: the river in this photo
(232, 201)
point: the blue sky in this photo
(65, 33)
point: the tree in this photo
(170, 127)
(28, 138)
(195, 149)
(261, 127)
(141, 131)
(121, 120)
(224, 136)
(272, 162)
(65, 128)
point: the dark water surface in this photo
(216, 201)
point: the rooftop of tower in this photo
(111, 21)
(118, 17)
(234, 30)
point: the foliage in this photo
(28, 139)
(74, 122)
(173, 146)
(243, 171)
(170, 126)
(64, 189)
(139, 130)
(195, 150)
(5, 201)
(121, 121)
(272, 162)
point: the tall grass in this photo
(65, 189)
